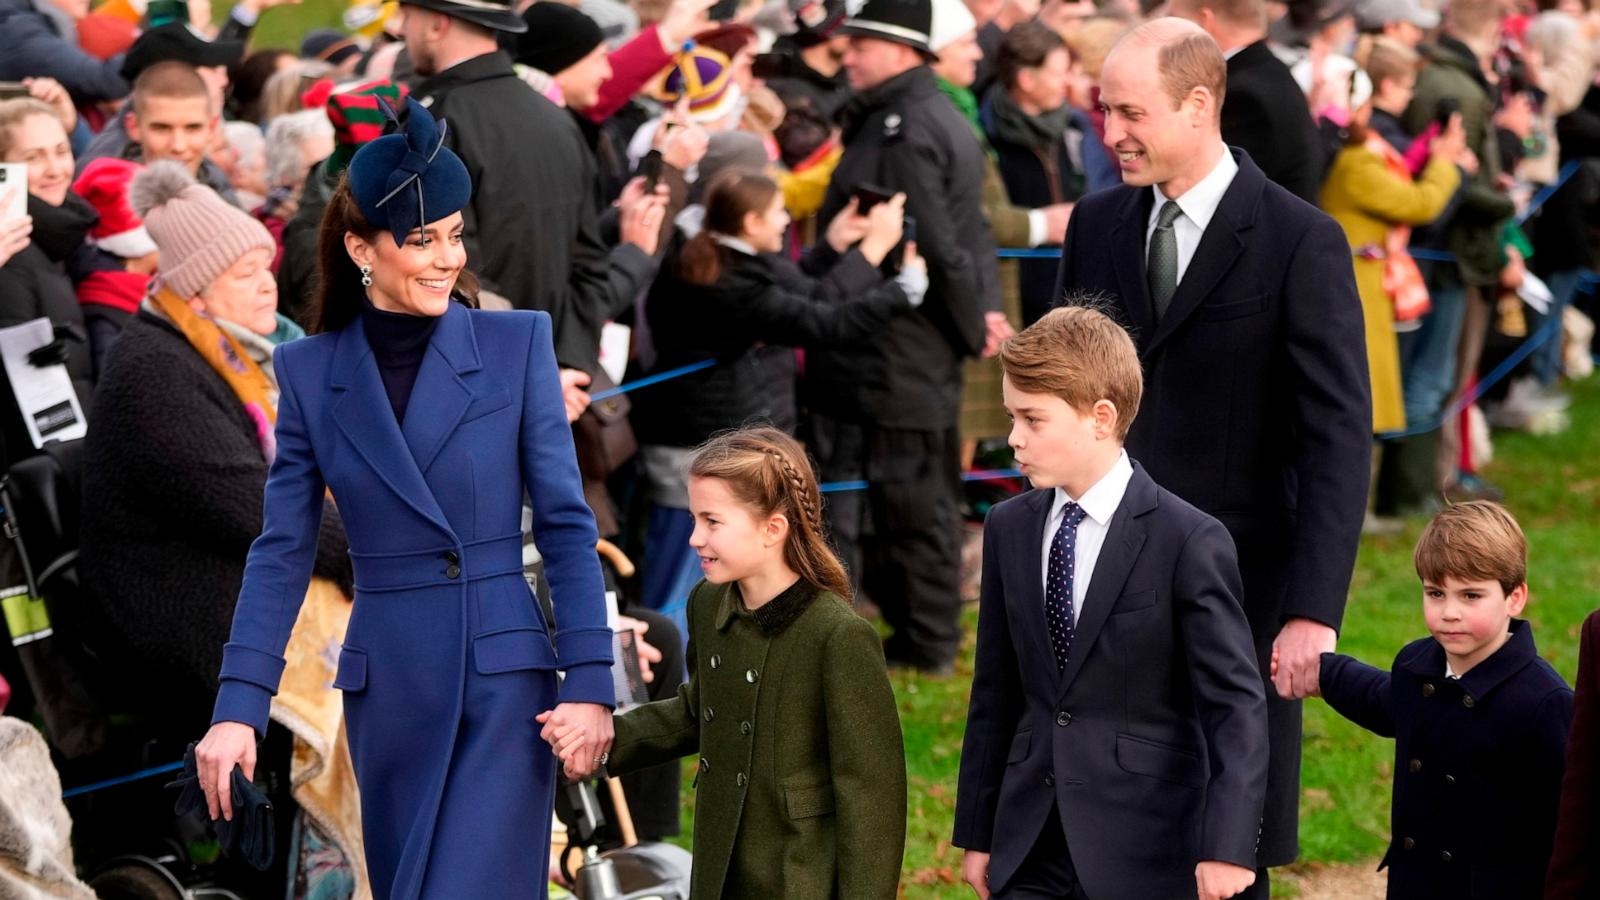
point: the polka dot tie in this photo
(1058, 586)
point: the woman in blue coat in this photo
(425, 420)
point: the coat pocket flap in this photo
(804, 803)
(488, 403)
(1157, 760)
(1020, 745)
(1230, 309)
(512, 650)
(352, 674)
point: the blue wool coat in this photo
(1477, 765)
(447, 658)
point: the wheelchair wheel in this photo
(137, 878)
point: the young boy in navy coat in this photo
(1116, 741)
(1479, 720)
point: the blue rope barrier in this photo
(117, 782)
(653, 379)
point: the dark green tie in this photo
(1163, 262)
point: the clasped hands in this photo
(580, 736)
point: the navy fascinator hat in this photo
(408, 178)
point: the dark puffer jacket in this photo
(172, 486)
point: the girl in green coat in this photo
(801, 791)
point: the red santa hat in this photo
(120, 231)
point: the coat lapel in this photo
(1220, 246)
(1127, 243)
(363, 414)
(440, 390)
(1029, 566)
(1120, 551)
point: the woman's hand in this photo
(1451, 142)
(50, 91)
(15, 234)
(848, 227)
(648, 654)
(573, 394)
(580, 734)
(226, 745)
(885, 226)
(641, 215)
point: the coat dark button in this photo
(741, 780)
(716, 661)
(1450, 780)
(1063, 718)
(451, 557)
(750, 675)
(1415, 765)
(705, 764)
(1408, 843)
(1444, 856)
(710, 714)
(744, 728)
(1467, 701)
(453, 572)
(1427, 689)
(1049, 781)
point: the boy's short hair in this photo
(1476, 541)
(1384, 59)
(1080, 354)
(170, 79)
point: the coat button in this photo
(745, 728)
(1050, 781)
(451, 557)
(1408, 843)
(750, 675)
(1467, 701)
(1450, 781)
(1428, 689)
(710, 714)
(1063, 718)
(1444, 856)
(716, 661)
(741, 781)
(453, 572)
(705, 764)
(1415, 765)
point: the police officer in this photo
(887, 412)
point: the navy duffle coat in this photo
(447, 659)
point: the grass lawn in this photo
(1552, 485)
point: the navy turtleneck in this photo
(399, 341)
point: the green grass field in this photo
(1552, 484)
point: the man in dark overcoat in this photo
(887, 412)
(1242, 301)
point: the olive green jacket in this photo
(801, 791)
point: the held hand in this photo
(975, 871)
(573, 394)
(227, 744)
(579, 733)
(648, 654)
(848, 227)
(1298, 652)
(1220, 880)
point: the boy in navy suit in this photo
(1479, 720)
(1116, 742)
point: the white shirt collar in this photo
(733, 243)
(1448, 671)
(1200, 202)
(1101, 500)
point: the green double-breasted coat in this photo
(801, 787)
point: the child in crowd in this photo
(802, 786)
(1479, 720)
(1116, 743)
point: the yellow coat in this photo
(1367, 199)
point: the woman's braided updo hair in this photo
(767, 470)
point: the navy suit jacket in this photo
(1257, 407)
(1152, 742)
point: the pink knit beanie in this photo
(200, 235)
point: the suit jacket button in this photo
(1427, 689)
(744, 728)
(741, 780)
(451, 557)
(1444, 856)
(1063, 718)
(1467, 701)
(453, 572)
(1050, 781)
(1415, 765)
(1408, 843)
(710, 714)
(716, 661)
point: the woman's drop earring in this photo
(366, 276)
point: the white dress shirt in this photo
(1099, 503)
(1198, 204)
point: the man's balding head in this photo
(1186, 58)
(1162, 88)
